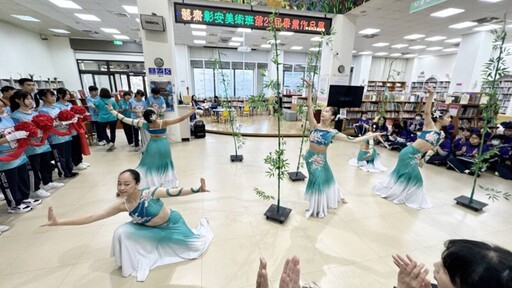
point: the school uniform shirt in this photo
(139, 106)
(92, 110)
(156, 102)
(19, 116)
(446, 145)
(364, 121)
(104, 114)
(6, 127)
(123, 104)
(470, 149)
(53, 111)
(459, 143)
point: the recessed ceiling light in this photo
(490, 1)
(286, 33)
(463, 25)
(354, 51)
(87, 17)
(417, 47)
(60, 31)
(395, 54)
(410, 55)
(381, 44)
(26, 18)
(398, 46)
(381, 53)
(369, 31)
(272, 41)
(265, 46)
(486, 27)
(239, 39)
(314, 49)
(414, 36)
(131, 9)
(199, 33)
(450, 49)
(121, 37)
(454, 40)
(111, 30)
(199, 41)
(317, 38)
(365, 53)
(197, 26)
(435, 48)
(435, 38)
(234, 43)
(246, 30)
(296, 48)
(66, 4)
(447, 12)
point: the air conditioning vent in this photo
(121, 15)
(370, 36)
(486, 20)
(90, 32)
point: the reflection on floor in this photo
(258, 125)
(351, 247)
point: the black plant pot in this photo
(476, 205)
(296, 176)
(237, 158)
(281, 216)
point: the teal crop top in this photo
(433, 137)
(322, 137)
(147, 208)
(154, 131)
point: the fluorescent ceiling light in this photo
(197, 26)
(417, 47)
(60, 31)
(131, 9)
(111, 30)
(410, 55)
(435, 48)
(381, 53)
(239, 39)
(381, 44)
(450, 49)
(87, 17)
(369, 31)
(435, 38)
(354, 51)
(121, 37)
(317, 38)
(447, 12)
(490, 1)
(314, 49)
(395, 54)
(507, 45)
(398, 46)
(463, 25)
(454, 40)
(246, 30)
(286, 33)
(365, 53)
(414, 36)
(199, 41)
(272, 41)
(234, 43)
(296, 48)
(265, 46)
(486, 27)
(26, 18)
(66, 4)
(199, 33)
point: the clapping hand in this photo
(411, 274)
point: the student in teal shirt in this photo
(123, 109)
(106, 119)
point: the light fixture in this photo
(399, 46)
(66, 4)
(26, 18)
(60, 31)
(410, 55)
(234, 43)
(417, 47)
(296, 48)
(369, 31)
(435, 48)
(490, 1)
(111, 30)
(199, 41)
(286, 33)
(317, 39)
(272, 41)
(486, 27)
(450, 49)
(244, 30)
(314, 49)
(381, 53)
(395, 54)
(354, 51)
(507, 45)
(454, 40)
(131, 9)
(380, 44)
(265, 46)
(121, 37)
(435, 38)
(365, 53)
(197, 26)
(199, 33)
(463, 25)
(414, 36)
(87, 17)
(447, 12)
(239, 39)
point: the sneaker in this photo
(52, 185)
(3, 228)
(85, 163)
(131, 145)
(101, 143)
(135, 149)
(111, 146)
(22, 208)
(73, 174)
(41, 193)
(80, 167)
(2, 197)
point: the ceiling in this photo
(390, 16)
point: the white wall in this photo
(362, 64)
(64, 63)
(90, 55)
(198, 53)
(441, 67)
(183, 70)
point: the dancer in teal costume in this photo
(405, 184)
(156, 165)
(156, 236)
(367, 158)
(322, 191)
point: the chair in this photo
(224, 116)
(246, 112)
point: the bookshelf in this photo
(288, 99)
(39, 84)
(440, 86)
(379, 87)
(504, 94)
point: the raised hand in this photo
(203, 186)
(262, 278)
(430, 89)
(410, 274)
(52, 220)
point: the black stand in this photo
(296, 176)
(281, 217)
(476, 206)
(237, 158)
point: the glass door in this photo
(137, 82)
(103, 81)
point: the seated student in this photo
(504, 167)
(443, 151)
(495, 142)
(364, 119)
(463, 138)
(488, 134)
(382, 127)
(416, 124)
(465, 157)
(397, 139)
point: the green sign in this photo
(118, 42)
(418, 5)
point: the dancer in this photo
(322, 191)
(367, 158)
(405, 184)
(156, 165)
(156, 236)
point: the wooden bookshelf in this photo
(504, 94)
(39, 84)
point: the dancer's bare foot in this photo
(203, 186)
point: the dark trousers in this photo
(76, 150)
(103, 129)
(96, 127)
(65, 159)
(128, 132)
(459, 164)
(438, 160)
(41, 165)
(504, 171)
(136, 141)
(18, 185)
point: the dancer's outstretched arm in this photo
(131, 121)
(167, 122)
(343, 137)
(109, 212)
(311, 116)
(160, 192)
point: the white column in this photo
(183, 73)
(362, 64)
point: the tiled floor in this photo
(351, 247)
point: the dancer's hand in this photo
(290, 277)
(192, 108)
(203, 186)
(430, 89)
(52, 220)
(262, 278)
(411, 274)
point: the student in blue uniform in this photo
(106, 119)
(136, 106)
(123, 109)
(405, 184)
(93, 112)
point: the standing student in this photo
(28, 85)
(93, 96)
(123, 109)
(136, 106)
(106, 119)
(157, 102)
(405, 184)
(322, 191)
(7, 92)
